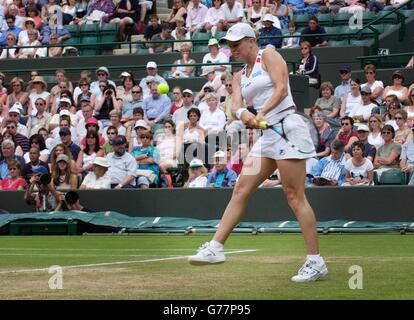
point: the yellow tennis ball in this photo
(263, 124)
(163, 88)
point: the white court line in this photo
(114, 263)
(96, 249)
(84, 255)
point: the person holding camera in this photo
(107, 104)
(71, 202)
(41, 192)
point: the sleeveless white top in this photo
(191, 136)
(398, 93)
(352, 103)
(258, 88)
(88, 159)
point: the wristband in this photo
(239, 112)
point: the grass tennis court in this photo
(155, 267)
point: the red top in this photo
(8, 184)
(174, 108)
(345, 139)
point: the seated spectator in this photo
(233, 125)
(88, 153)
(104, 108)
(145, 6)
(33, 42)
(34, 161)
(308, 64)
(351, 100)
(177, 11)
(376, 5)
(8, 148)
(147, 158)
(291, 42)
(216, 56)
(328, 103)
(212, 85)
(111, 133)
(344, 88)
(15, 182)
(362, 112)
(64, 104)
(8, 135)
(18, 94)
(38, 90)
(394, 4)
(166, 144)
(359, 170)
(98, 178)
(133, 138)
(11, 27)
(393, 106)
(51, 51)
(84, 93)
(369, 150)
(213, 119)
(197, 175)
(310, 30)
(388, 154)
(195, 20)
(269, 30)
(69, 11)
(346, 134)
(131, 109)
(23, 39)
(122, 165)
(33, 12)
(407, 159)
(295, 5)
(162, 47)
(10, 51)
(100, 11)
(281, 12)
(181, 34)
(181, 115)
(37, 141)
(153, 28)
(214, 17)
(125, 13)
(152, 75)
(330, 170)
(397, 88)
(178, 100)
(62, 33)
(183, 71)
(376, 86)
(156, 107)
(102, 73)
(402, 134)
(62, 177)
(124, 92)
(326, 134)
(13, 126)
(354, 7)
(375, 136)
(410, 107)
(233, 13)
(221, 177)
(331, 6)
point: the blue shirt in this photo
(222, 179)
(330, 169)
(129, 107)
(4, 168)
(152, 152)
(15, 30)
(273, 31)
(46, 31)
(156, 107)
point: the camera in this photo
(44, 179)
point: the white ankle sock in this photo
(216, 244)
(315, 257)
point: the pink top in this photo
(8, 184)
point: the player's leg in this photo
(255, 171)
(293, 174)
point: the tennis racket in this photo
(299, 143)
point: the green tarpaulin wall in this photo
(110, 221)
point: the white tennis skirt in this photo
(272, 145)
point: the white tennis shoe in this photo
(311, 271)
(206, 254)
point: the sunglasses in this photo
(364, 94)
(12, 169)
(186, 95)
(83, 84)
(229, 85)
(398, 118)
(11, 128)
(101, 74)
(111, 133)
(16, 85)
(176, 92)
(136, 91)
(369, 72)
(345, 124)
(145, 137)
(397, 77)
(35, 142)
(386, 132)
(38, 104)
(306, 48)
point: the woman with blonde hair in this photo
(183, 71)
(376, 86)
(375, 125)
(10, 51)
(197, 175)
(62, 176)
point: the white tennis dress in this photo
(257, 90)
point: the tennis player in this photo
(264, 82)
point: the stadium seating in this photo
(393, 177)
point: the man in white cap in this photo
(269, 30)
(64, 105)
(216, 56)
(212, 85)
(102, 73)
(152, 70)
(221, 177)
(14, 113)
(180, 115)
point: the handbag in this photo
(146, 173)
